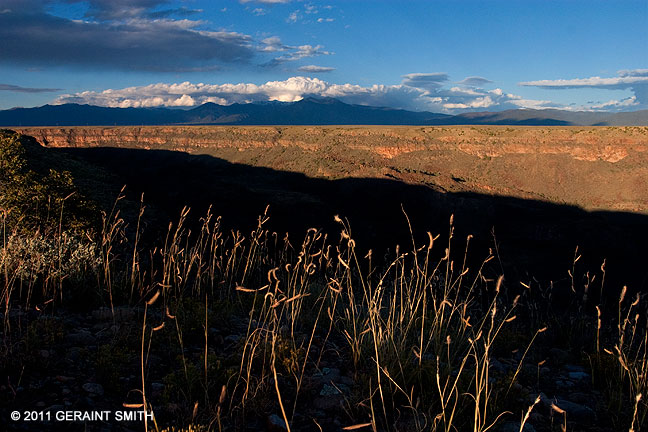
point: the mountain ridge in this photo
(308, 111)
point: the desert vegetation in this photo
(216, 328)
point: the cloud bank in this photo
(315, 69)
(133, 35)
(19, 89)
(635, 80)
(419, 92)
(118, 38)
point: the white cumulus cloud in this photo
(635, 80)
(593, 82)
(424, 95)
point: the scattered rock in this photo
(232, 339)
(514, 427)
(328, 390)
(73, 354)
(579, 376)
(81, 337)
(120, 314)
(537, 418)
(577, 412)
(276, 424)
(498, 366)
(518, 388)
(64, 379)
(93, 389)
(346, 380)
(56, 408)
(530, 370)
(558, 356)
(157, 389)
(573, 368)
(327, 403)
(328, 374)
(564, 384)
(580, 398)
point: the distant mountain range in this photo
(309, 111)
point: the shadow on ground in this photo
(533, 238)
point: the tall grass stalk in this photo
(417, 331)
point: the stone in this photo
(93, 389)
(64, 379)
(328, 374)
(579, 376)
(157, 389)
(334, 390)
(573, 368)
(276, 423)
(498, 366)
(81, 338)
(73, 354)
(327, 403)
(544, 405)
(564, 384)
(120, 314)
(232, 339)
(102, 314)
(577, 412)
(580, 398)
(537, 418)
(530, 370)
(514, 427)
(346, 380)
(519, 389)
(328, 390)
(558, 356)
(56, 408)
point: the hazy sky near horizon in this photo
(443, 56)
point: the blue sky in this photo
(444, 56)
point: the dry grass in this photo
(418, 333)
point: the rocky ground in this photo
(91, 362)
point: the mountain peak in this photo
(311, 110)
(321, 100)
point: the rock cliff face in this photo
(592, 167)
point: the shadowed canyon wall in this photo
(591, 167)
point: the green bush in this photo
(46, 225)
(43, 200)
